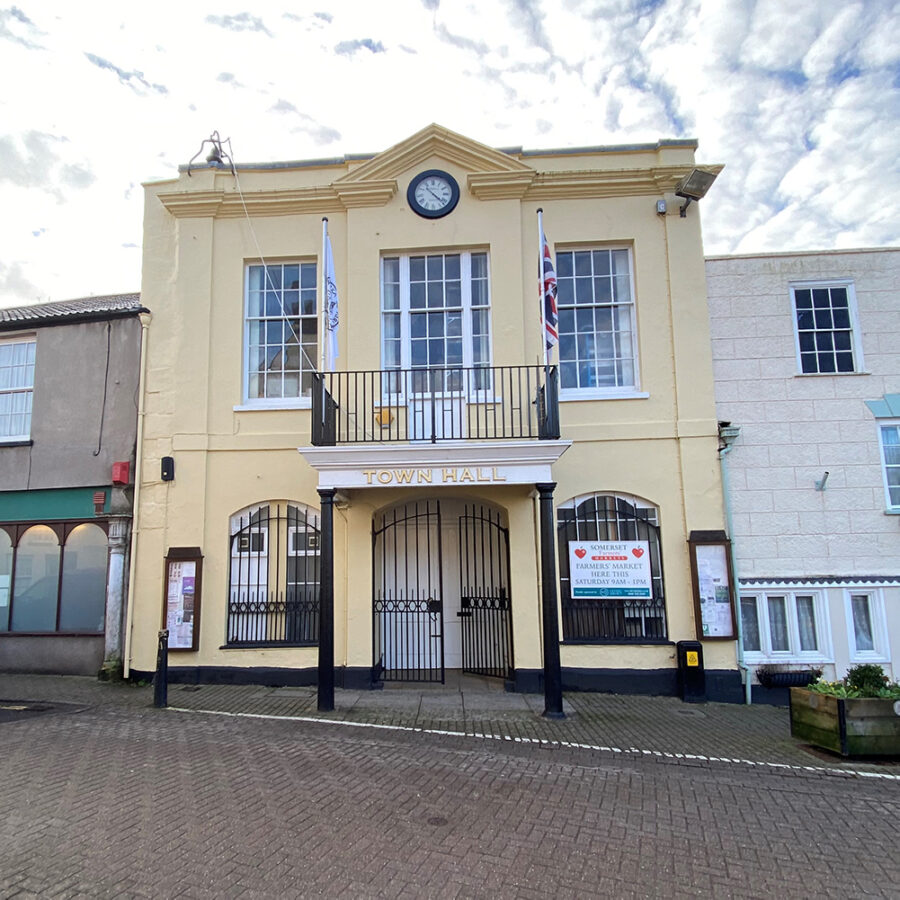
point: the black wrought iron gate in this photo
(408, 632)
(484, 593)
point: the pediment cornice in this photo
(427, 143)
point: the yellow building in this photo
(430, 481)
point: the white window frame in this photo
(606, 393)
(823, 653)
(404, 311)
(881, 652)
(255, 403)
(887, 423)
(23, 390)
(855, 332)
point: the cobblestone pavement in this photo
(110, 797)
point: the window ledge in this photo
(566, 396)
(268, 407)
(623, 642)
(59, 634)
(760, 659)
(268, 645)
(892, 511)
(830, 374)
(16, 442)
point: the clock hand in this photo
(433, 194)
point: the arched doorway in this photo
(441, 590)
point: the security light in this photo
(693, 186)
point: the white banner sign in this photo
(610, 569)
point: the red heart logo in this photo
(581, 553)
(638, 552)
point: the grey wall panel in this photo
(73, 364)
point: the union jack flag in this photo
(548, 285)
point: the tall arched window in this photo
(36, 585)
(614, 619)
(82, 598)
(273, 585)
(6, 558)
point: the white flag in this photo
(331, 308)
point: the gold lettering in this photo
(482, 476)
(466, 475)
(424, 475)
(449, 475)
(404, 476)
(385, 477)
(497, 477)
(369, 473)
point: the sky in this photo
(800, 99)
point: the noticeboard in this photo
(712, 583)
(181, 597)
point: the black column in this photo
(326, 601)
(553, 705)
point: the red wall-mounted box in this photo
(121, 472)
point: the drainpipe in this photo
(136, 522)
(728, 434)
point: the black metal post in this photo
(326, 601)
(553, 704)
(161, 680)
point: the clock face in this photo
(433, 194)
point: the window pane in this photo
(778, 629)
(5, 570)
(36, 583)
(862, 622)
(824, 325)
(749, 624)
(82, 604)
(806, 623)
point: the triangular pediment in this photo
(432, 141)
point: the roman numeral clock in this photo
(433, 194)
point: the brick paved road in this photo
(134, 802)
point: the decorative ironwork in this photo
(273, 590)
(435, 404)
(484, 586)
(604, 517)
(408, 607)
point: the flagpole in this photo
(324, 289)
(540, 214)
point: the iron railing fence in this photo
(435, 404)
(618, 621)
(273, 579)
(260, 620)
(611, 619)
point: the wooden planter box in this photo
(851, 727)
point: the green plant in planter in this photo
(865, 680)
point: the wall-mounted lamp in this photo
(693, 186)
(820, 483)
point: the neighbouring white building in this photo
(806, 351)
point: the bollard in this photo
(161, 679)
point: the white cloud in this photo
(799, 101)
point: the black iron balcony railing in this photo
(437, 404)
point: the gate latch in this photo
(434, 606)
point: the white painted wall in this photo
(795, 427)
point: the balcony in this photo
(484, 403)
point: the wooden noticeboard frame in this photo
(182, 583)
(712, 580)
